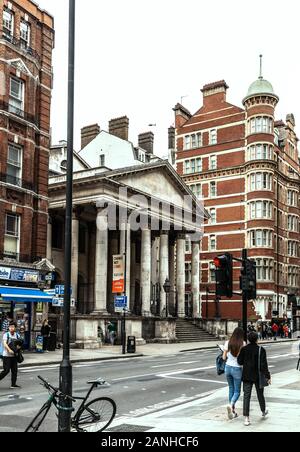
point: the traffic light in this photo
(248, 279)
(224, 275)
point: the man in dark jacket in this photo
(249, 359)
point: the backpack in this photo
(221, 364)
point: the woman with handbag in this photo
(233, 370)
(253, 358)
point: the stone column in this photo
(164, 268)
(101, 263)
(75, 254)
(196, 279)
(172, 257)
(49, 239)
(132, 275)
(180, 265)
(146, 270)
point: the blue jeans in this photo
(234, 378)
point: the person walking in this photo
(45, 332)
(275, 329)
(255, 373)
(233, 370)
(11, 345)
(111, 332)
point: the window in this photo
(293, 222)
(14, 165)
(8, 23)
(260, 152)
(265, 269)
(187, 142)
(260, 124)
(213, 189)
(188, 246)
(102, 160)
(25, 34)
(213, 216)
(199, 140)
(12, 236)
(293, 273)
(213, 162)
(194, 141)
(16, 97)
(187, 167)
(260, 181)
(212, 273)
(260, 238)
(188, 272)
(260, 209)
(193, 166)
(293, 248)
(197, 190)
(212, 243)
(213, 137)
(292, 198)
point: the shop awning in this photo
(22, 295)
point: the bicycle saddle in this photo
(99, 382)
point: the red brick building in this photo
(26, 44)
(245, 166)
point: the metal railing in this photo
(17, 182)
(22, 45)
(20, 113)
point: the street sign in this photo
(60, 290)
(121, 304)
(59, 302)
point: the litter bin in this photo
(131, 344)
(52, 342)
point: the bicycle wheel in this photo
(39, 419)
(96, 416)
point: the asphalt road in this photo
(139, 385)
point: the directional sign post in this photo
(121, 304)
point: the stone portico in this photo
(136, 212)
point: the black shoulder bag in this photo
(263, 382)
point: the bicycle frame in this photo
(84, 400)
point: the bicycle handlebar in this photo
(56, 391)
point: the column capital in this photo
(181, 236)
(164, 233)
(77, 211)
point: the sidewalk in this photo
(209, 413)
(109, 352)
(115, 352)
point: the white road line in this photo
(201, 380)
(186, 371)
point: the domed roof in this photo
(260, 86)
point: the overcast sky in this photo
(140, 57)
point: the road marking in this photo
(283, 356)
(186, 371)
(201, 380)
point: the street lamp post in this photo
(65, 410)
(167, 289)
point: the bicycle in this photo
(94, 416)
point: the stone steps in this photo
(186, 331)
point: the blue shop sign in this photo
(19, 274)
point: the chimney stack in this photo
(119, 127)
(88, 134)
(214, 94)
(146, 142)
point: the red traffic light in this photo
(217, 262)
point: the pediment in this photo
(21, 66)
(158, 183)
